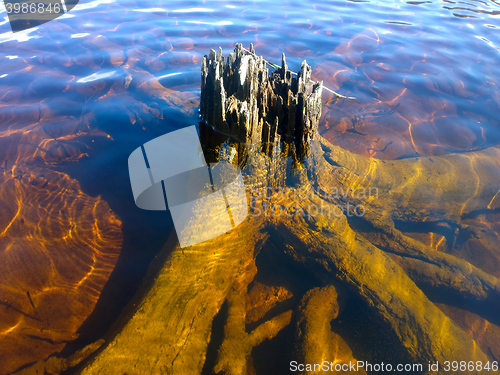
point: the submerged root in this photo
(182, 307)
(387, 271)
(316, 344)
(336, 253)
(235, 350)
(437, 270)
(404, 191)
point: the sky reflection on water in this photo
(435, 61)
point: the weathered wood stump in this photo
(242, 99)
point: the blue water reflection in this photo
(437, 59)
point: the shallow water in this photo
(424, 73)
(80, 93)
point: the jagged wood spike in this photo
(246, 80)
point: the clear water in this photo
(425, 75)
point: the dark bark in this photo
(242, 99)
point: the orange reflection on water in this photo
(393, 106)
(58, 247)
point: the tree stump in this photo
(240, 98)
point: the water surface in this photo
(80, 93)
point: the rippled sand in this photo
(58, 245)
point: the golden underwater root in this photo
(170, 329)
